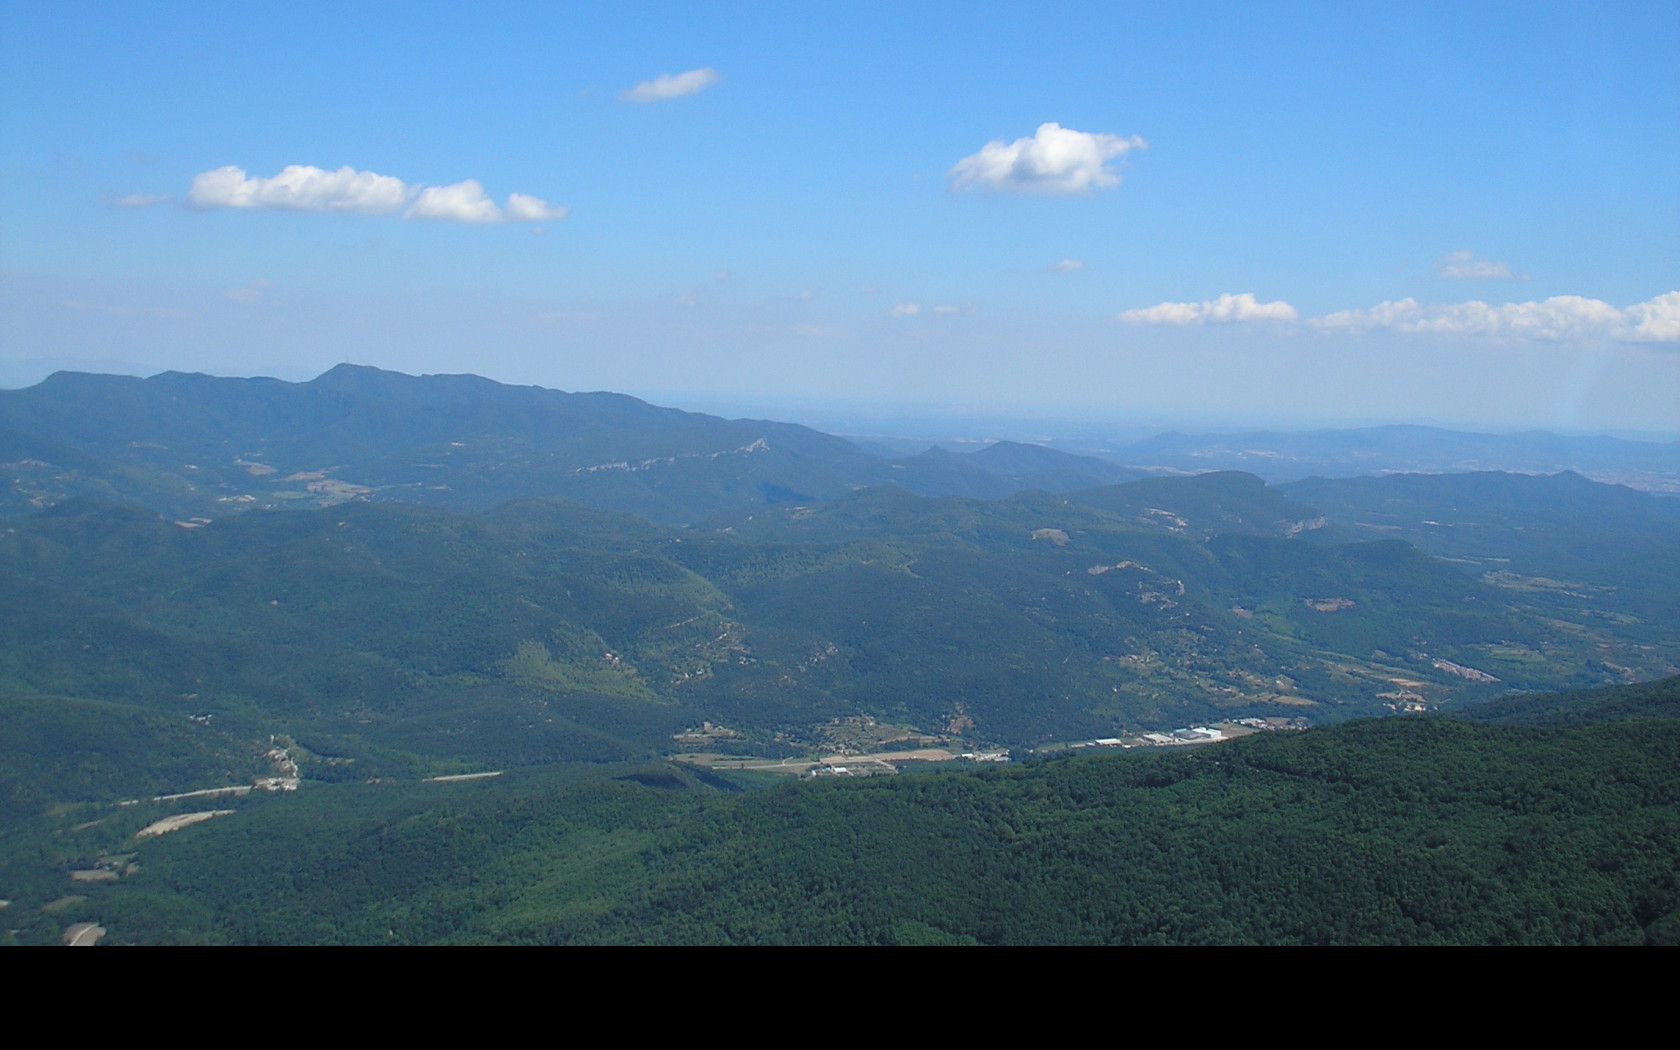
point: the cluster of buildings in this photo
(1176, 738)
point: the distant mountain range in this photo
(1647, 465)
(196, 446)
(199, 446)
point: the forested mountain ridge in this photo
(211, 445)
(1619, 703)
(202, 446)
(1395, 831)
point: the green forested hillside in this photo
(1416, 830)
(1647, 700)
(404, 638)
(59, 750)
(1002, 469)
(1205, 505)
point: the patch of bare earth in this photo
(1328, 605)
(179, 821)
(83, 935)
(63, 903)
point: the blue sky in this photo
(1278, 214)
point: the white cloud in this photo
(1654, 320)
(1465, 266)
(964, 308)
(1227, 309)
(463, 201)
(1055, 160)
(1244, 307)
(142, 200)
(1558, 318)
(1068, 266)
(523, 208)
(1387, 314)
(668, 85)
(1165, 313)
(303, 187)
(687, 298)
(907, 309)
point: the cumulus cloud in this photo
(1055, 160)
(463, 201)
(1068, 266)
(303, 187)
(141, 200)
(524, 208)
(1465, 266)
(907, 309)
(300, 187)
(1654, 320)
(1227, 309)
(669, 85)
(1558, 318)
